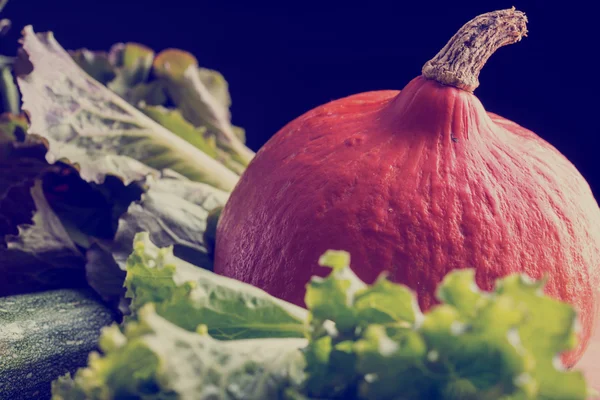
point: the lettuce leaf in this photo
(174, 211)
(94, 129)
(106, 115)
(153, 358)
(36, 251)
(133, 63)
(41, 255)
(475, 345)
(355, 341)
(201, 116)
(189, 296)
(176, 123)
(9, 94)
(202, 97)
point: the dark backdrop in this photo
(282, 60)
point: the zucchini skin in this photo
(45, 335)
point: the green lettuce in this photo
(189, 296)
(115, 154)
(155, 359)
(192, 334)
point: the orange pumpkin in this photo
(417, 182)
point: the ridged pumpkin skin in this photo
(417, 183)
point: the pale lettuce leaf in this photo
(174, 121)
(174, 211)
(91, 127)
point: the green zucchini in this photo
(45, 335)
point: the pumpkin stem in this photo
(458, 64)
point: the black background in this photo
(282, 60)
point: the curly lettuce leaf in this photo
(352, 306)
(558, 321)
(152, 358)
(342, 297)
(189, 296)
(475, 345)
(356, 341)
(95, 129)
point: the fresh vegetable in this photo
(151, 153)
(70, 207)
(196, 335)
(418, 183)
(127, 141)
(35, 250)
(44, 335)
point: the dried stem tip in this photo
(458, 64)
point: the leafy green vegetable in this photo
(125, 69)
(133, 64)
(201, 95)
(96, 130)
(9, 94)
(154, 359)
(203, 118)
(122, 140)
(190, 296)
(174, 121)
(361, 341)
(96, 64)
(473, 346)
(41, 254)
(35, 250)
(152, 139)
(174, 211)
